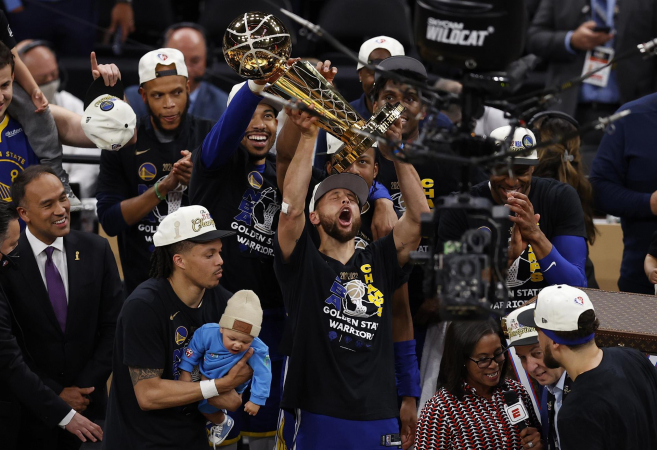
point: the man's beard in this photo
(549, 360)
(330, 227)
(158, 122)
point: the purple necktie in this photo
(56, 290)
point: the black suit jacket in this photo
(635, 23)
(82, 356)
(24, 389)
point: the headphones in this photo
(547, 115)
(552, 115)
(63, 74)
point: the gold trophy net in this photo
(303, 82)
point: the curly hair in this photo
(563, 162)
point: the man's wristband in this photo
(157, 193)
(209, 389)
(407, 370)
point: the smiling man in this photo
(548, 238)
(235, 178)
(66, 294)
(141, 184)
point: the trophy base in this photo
(378, 124)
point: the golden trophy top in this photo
(256, 45)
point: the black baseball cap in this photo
(405, 63)
(98, 88)
(354, 183)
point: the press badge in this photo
(391, 440)
(596, 58)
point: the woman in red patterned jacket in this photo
(468, 411)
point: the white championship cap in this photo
(109, 122)
(523, 138)
(166, 57)
(520, 334)
(391, 44)
(189, 223)
(243, 313)
(558, 308)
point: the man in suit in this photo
(66, 294)
(25, 388)
(564, 31)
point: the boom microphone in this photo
(515, 409)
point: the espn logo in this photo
(516, 412)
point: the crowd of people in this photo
(267, 299)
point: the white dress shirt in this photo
(557, 391)
(58, 257)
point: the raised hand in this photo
(304, 121)
(110, 72)
(326, 70)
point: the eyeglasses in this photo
(484, 363)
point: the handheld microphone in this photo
(648, 48)
(515, 410)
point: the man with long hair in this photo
(148, 406)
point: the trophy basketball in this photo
(257, 45)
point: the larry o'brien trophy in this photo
(257, 45)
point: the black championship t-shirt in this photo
(613, 406)
(248, 202)
(340, 319)
(131, 171)
(153, 331)
(6, 35)
(561, 215)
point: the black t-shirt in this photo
(130, 172)
(248, 202)
(561, 215)
(153, 330)
(6, 35)
(613, 406)
(652, 250)
(340, 330)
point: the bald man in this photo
(41, 61)
(206, 100)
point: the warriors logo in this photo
(181, 335)
(147, 171)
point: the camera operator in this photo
(548, 238)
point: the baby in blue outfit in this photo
(216, 348)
